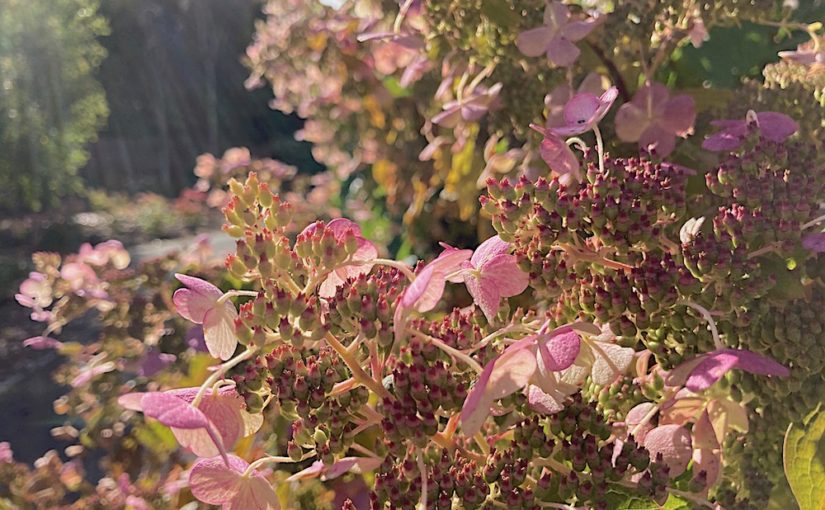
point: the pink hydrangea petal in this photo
(710, 462)
(658, 141)
(225, 414)
(172, 411)
(40, 343)
(213, 482)
(775, 126)
(314, 470)
(131, 401)
(722, 141)
(556, 14)
(544, 402)
(485, 296)
(631, 122)
(562, 52)
(198, 296)
(534, 42)
(448, 118)
(254, 493)
(219, 331)
(472, 112)
(198, 285)
(489, 249)
(581, 108)
(704, 436)
(559, 351)
(512, 371)
(716, 364)
(503, 376)
(476, 407)
(674, 443)
(679, 115)
(353, 464)
(502, 273)
(634, 418)
(428, 287)
(559, 157)
(577, 30)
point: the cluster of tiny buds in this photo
(363, 305)
(398, 483)
(422, 385)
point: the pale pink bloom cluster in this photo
(773, 126)
(581, 113)
(694, 402)
(548, 367)
(654, 119)
(556, 36)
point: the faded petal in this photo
(657, 140)
(775, 126)
(715, 365)
(634, 418)
(219, 331)
(558, 352)
(501, 377)
(534, 42)
(425, 292)
(679, 115)
(198, 296)
(611, 361)
(674, 443)
(562, 52)
(577, 30)
(485, 295)
(544, 403)
(704, 435)
(172, 411)
(559, 157)
(215, 483)
(489, 249)
(631, 122)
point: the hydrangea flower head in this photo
(654, 119)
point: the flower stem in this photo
(455, 353)
(357, 372)
(233, 293)
(599, 147)
(422, 471)
(222, 369)
(717, 342)
(271, 459)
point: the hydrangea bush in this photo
(617, 304)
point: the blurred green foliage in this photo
(51, 105)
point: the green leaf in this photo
(804, 454)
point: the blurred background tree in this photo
(51, 104)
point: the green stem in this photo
(222, 369)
